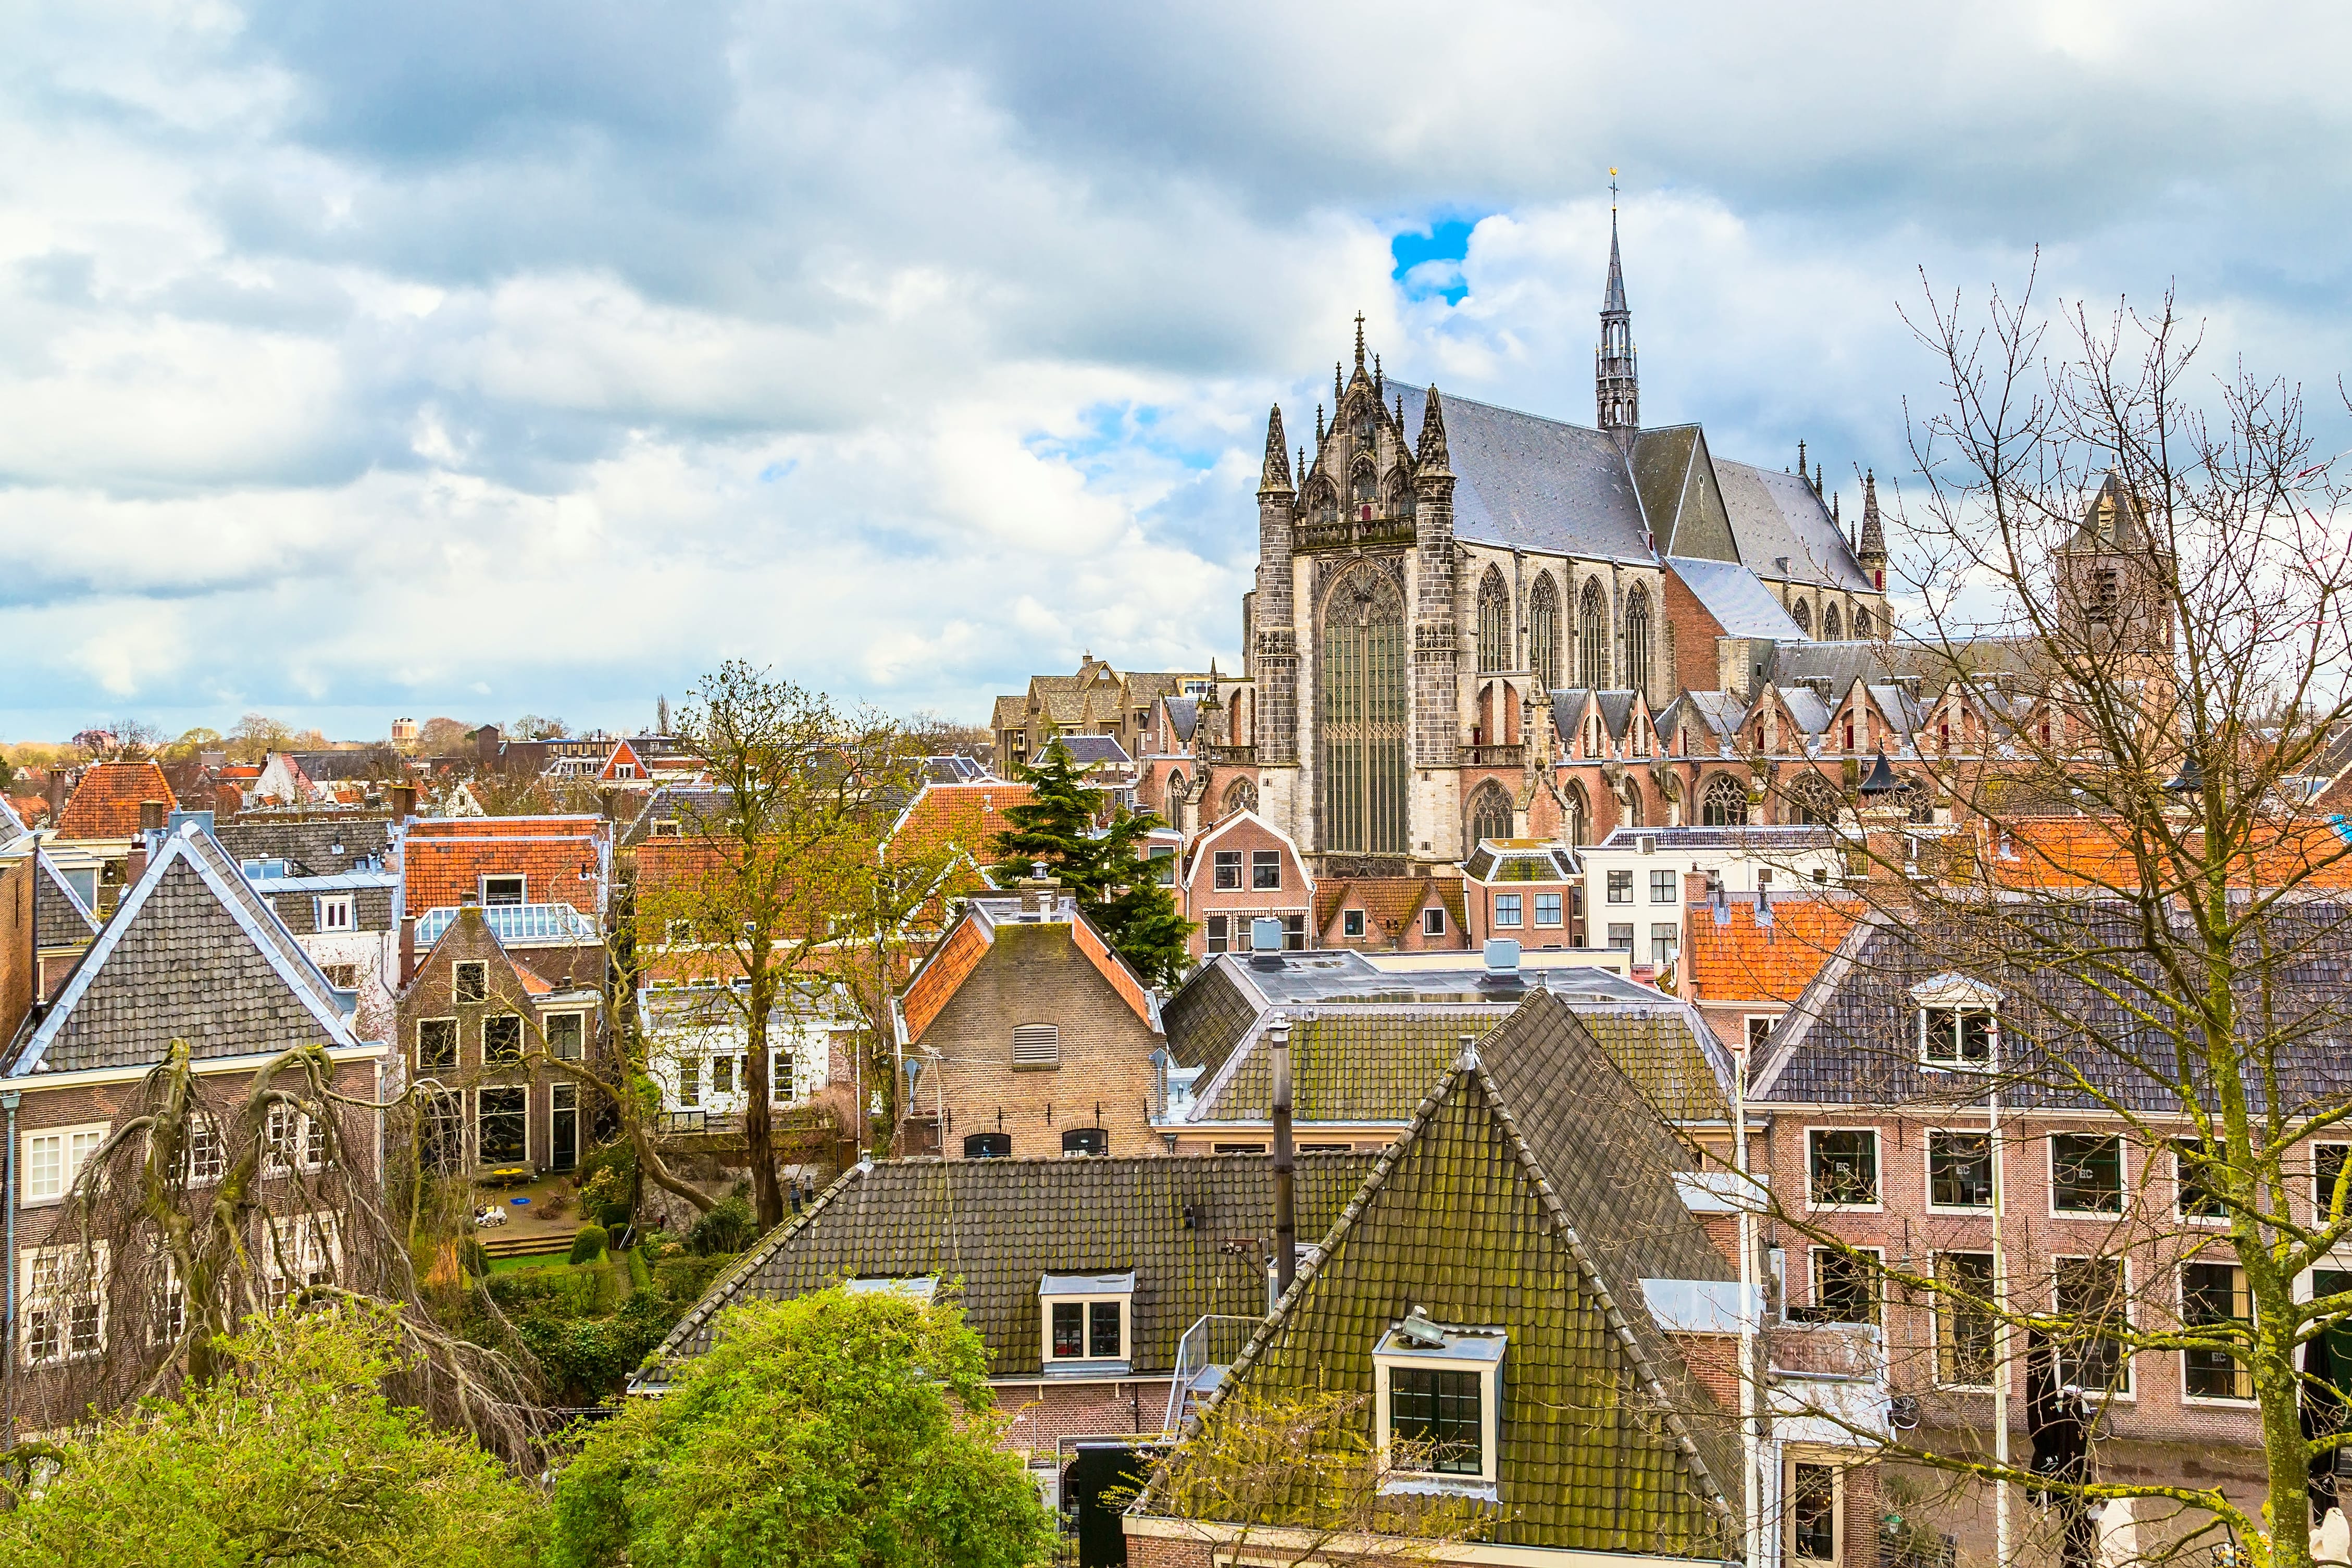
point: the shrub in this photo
(729, 1227)
(683, 1279)
(589, 1244)
(605, 1198)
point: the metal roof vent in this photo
(1502, 958)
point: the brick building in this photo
(1241, 869)
(105, 802)
(1024, 1034)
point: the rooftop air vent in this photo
(1265, 942)
(1502, 958)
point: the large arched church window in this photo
(1543, 632)
(1580, 815)
(1862, 622)
(1637, 638)
(1365, 486)
(1240, 795)
(1494, 623)
(1832, 629)
(1803, 614)
(1323, 502)
(1398, 493)
(1490, 813)
(1593, 637)
(1812, 802)
(1361, 711)
(1723, 803)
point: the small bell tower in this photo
(1616, 378)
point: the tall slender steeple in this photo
(1616, 383)
(1872, 554)
(1273, 479)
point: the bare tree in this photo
(2106, 895)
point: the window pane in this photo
(1844, 1289)
(1069, 1330)
(1662, 887)
(2196, 1200)
(1964, 1318)
(1959, 1169)
(1506, 909)
(2327, 1161)
(1546, 909)
(565, 1031)
(1265, 868)
(501, 1133)
(436, 1045)
(2086, 1173)
(2212, 1293)
(2087, 1294)
(1102, 1330)
(1440, 1409)
(1845, 1166)
(503, 1038)
(1812, 1513)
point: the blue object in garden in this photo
(518, 1200)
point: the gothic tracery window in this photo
(1398, 493)
(1832, 631)
(1580, 815)
(1490, 813)
(1323, 502)
(1862, 622)
(1593, 637)
(1803, 614)
(1361, 702)
(1812, 802)
(1543, 632)
(1365, 486)
(1637, 638)
(1723, 803)
(1494, 623)
(1240, 795)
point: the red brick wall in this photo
(1247, 837)
(1042, 1414)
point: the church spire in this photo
(1432, 456)
(1616, 381)
(1360, 341)
(1274, 478)
(1870, 557)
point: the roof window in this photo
(1085, 1321)
(1437, 1390)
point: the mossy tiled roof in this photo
(999, 1225)
(1349, 1066)
(1534, 1194)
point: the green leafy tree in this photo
(295, 1459)
(1105, 869)
(856, 1431)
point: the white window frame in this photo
(171, 1299)
(203, 1129)
(32, 1301)
(1878, 1279)
(1045, 1305)
(523, 1042)
(1351, 923)
(1222, 862)
(458, 982)
(522, 887)
(1956, 994)
(1837, 1509)
(1508, 911)
(333, 912)
(547, 1027)
(302, 1139)
(2122, 1176)
(1937, 1311)
(1928, 1174)
(1877, 1165)
(1612, 885)
(2129, 1392)
(1432, 921)
(1558, 913)
(303, 1242)
(2319, 1203)
(1747, 1023)
(76, 1143)
(502, 1089)
(1490, 1408)
(2180, 1190)
(1263, 861)
(457, 1044)
(1672, 891)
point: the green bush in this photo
(729, 1228)
(684, 1280)
(589, 1244)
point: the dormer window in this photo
(1959, 1022)
(1086, 1321)
(1437, 1391)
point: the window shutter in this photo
(1036, 1046)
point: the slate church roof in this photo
(1533, 1193)
(999, 1226)
(193, 953)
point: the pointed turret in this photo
(1871, 553)
(1360, 339)
(1431, 456)
(1616, 379)
(1273, 479)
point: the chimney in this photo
(407, 950)
(403, 801)
(1040, 894)
(1694, 888)
(1286, 1218)
(150, 816)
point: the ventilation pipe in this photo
(1286, 1218)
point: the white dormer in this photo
(1439, 1388)
(1086, 1324)
(1959, 1023)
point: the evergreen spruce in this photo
(1104, 870)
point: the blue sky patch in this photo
(1428, 260)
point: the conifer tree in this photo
(1105, 871)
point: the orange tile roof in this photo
(1744, 960)
(443, 860)
(2090, 852)
(943, 974)
(964, 815)
(1390, 901)
(105, 805)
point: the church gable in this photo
(1592, 1452)
(1682, 494)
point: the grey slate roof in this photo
(59, 917)
(309, 841)
(1810, 713)
(1536, 483)
(341, 767)
(1677, 840)
(1849, 1038)
(1091, 751)
(193, 953)
(1000, 1226)
(1183, 715)
(12, 827)
(1775, 514)
(1729, 592)
(1714, 717)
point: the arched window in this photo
(1812, 802)
(1365, 486)
(1543, 632)
(1175, 813)
(1580, 815)
(1723, 803)
(1322, 502)
(1637, 638)
(1490, 813)
(1593, 635)
(1832, 629)
(1628, 805)
(1803, 614)
(1240, 795)
(1862, 622)
(1494, 623)
(1362, 698)
(1398, 493)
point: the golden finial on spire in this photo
(1612, 189)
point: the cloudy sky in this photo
(475, 359)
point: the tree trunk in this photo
(759, 1133)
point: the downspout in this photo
(1751, 1436)
(8, 1101)
(2001, 1537)
(1286, 1220)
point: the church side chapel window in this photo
(1323, 506)
(1543, 633)
(1365, 487)
(1832, 629)
(1490, 816)
(1493, 623)
(1363, 702)
(1637, 638)
(1593, 637)
(1803, 614)
(1723, 803)
(1400, 494)
(1862, 622)
(1580, 815)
